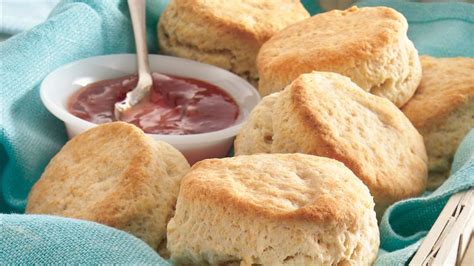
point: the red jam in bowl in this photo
(175, 106)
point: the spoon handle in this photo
(137, 12)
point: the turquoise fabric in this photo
(30, 136)
(436, 29)
(42, 239)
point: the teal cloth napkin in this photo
(42, 239)
(30, 136)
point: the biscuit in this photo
(273, 209)
(116, 175)
(368, 45)
(442, 110)
(227, 34)
(326, 114)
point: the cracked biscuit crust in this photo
(225, 33)
(115, 175)
(273, 209)
(326, 114)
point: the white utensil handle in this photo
(137, 13)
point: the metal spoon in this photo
(145, 81)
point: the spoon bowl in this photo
(145, 81)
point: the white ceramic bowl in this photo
(60, 84)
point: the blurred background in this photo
(19, 15)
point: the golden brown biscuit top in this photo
(446, 84)
(369, 134)
(257, 18)
(335, 38)
(280, 186)
(112, 166)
